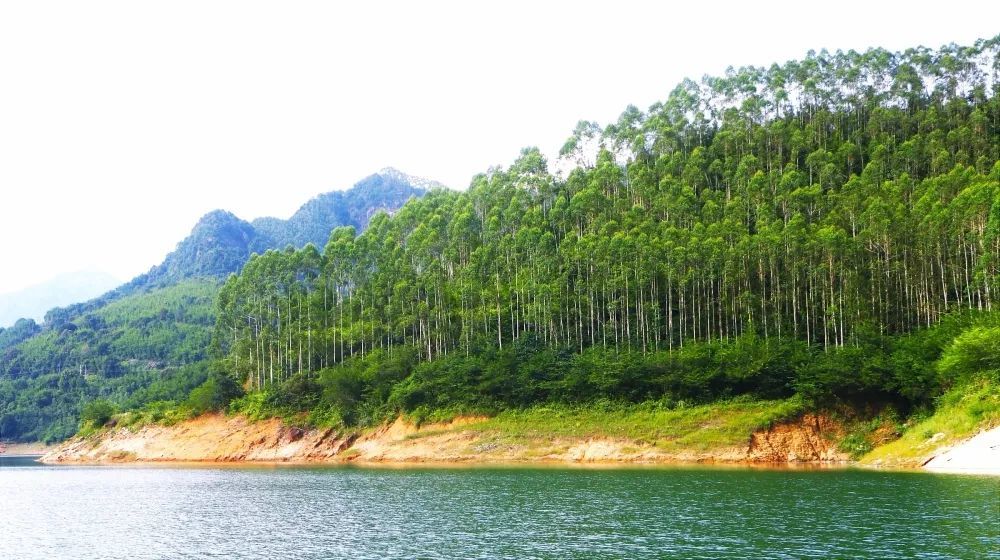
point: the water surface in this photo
(343, 512)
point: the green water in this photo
(146, 512)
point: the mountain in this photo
(386, 190)
(220, 242)
(147, 340)
(32, 302)
(795, 232)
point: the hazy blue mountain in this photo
(386, 190)
(220, 242)
(32, 302)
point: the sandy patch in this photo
(979, 454)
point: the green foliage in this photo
(974, 352)
(669, 426)
(824, 228)
(146, 347)
(214, 394)
(866, 434)
(165, 413)
(97, 413)
(150, 339)
(253, 406)
(292, 398)
(959, 414)
(969, 365)
(369, 390)
(22, 330)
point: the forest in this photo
(826, 227)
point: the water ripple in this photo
(299, 513)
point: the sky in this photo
(122, 122)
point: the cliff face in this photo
(217, 438)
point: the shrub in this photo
(214, 394)
(974, 352)
(96, 413)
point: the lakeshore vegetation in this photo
(823, 233)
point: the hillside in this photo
(140, 348)
(148, 340)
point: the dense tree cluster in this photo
(824, 202)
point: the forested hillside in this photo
(149, 339)
(146, 347)
(823, 227)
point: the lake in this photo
(134, 512)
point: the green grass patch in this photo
(163, 413)
(865, 434)
(701, 427)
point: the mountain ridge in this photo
(221, 242)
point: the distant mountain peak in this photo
(419, 182)
(221, 242)
(33, 301)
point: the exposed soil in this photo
(216, 438)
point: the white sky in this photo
(121, 123)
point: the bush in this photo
(297, 394)
(343, 389)
(214, 394)
(97, 413)
(973, 353)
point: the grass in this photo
(959, 414)
(698, 428)
(162, 413)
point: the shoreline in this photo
(444, 464)
(476, 464)
(26, 449)
(805, 443)
(979, 454)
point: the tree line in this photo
(820, 201)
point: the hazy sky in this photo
(123, 122)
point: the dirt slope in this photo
(218, 438)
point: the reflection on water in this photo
(345, 512)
